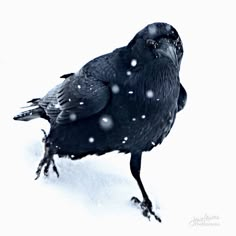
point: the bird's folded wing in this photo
(81, 96)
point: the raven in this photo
(125, 100)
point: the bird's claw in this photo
(146, 207)
(46, 162)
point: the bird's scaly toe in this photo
(146, 207)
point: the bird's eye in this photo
(152, 43)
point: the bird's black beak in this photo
(167, 49)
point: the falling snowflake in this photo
(143, 116)
(149, 94)
(69, 99)
(106, 122)
(130, 92)
(128, 73)
(91, 140)
(134, 119)
(79, 86)
(81, 103)
(133, 62)
(57, 105)
(124, 140)
(158, 99)
(152, 29)
(115, 89)
(73, 116)
(168, 27)
(153, 143)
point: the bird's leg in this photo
(146, 205)
(44, 136)
(47, 161)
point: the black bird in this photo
(126, 100)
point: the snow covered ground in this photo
(190, 178)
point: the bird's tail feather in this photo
(29, 114)
(35, 112)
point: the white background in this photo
(192, 174)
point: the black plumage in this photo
(126, 100)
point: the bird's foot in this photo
(146, 207)
(45, 163)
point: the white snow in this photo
(133, 62)
(152, 29)
(131, 92)
(73, 116)
(129, 73)
(106, 122)
(91, 139)
(115, 89)
(150, 94)
(124, 140)
(168, 28)
(190, 175)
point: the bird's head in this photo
(160, 40)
